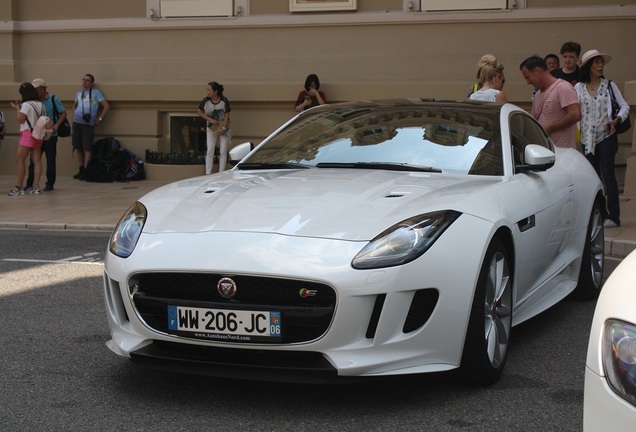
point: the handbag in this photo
(626, 124)
(1, 125)
(217, 128)
(64, 129)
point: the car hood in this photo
(345, 204)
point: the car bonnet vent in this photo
(401, 192)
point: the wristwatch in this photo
(100, 119)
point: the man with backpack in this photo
(53, 105)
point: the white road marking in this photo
(87, 258)
(52, 261)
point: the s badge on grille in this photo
(304, 292)
(226, 287)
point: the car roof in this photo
(489, 108)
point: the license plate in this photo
(222, 324)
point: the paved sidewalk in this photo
(73, 204)
(80, 205)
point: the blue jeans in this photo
(603, 162)
(49, 148)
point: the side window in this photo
(525, 130)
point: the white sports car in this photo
(610, 373)
(359, 239)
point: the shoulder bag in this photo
(626, 124)
(64, 129)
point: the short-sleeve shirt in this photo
(572, 77)
(48, 106)
(548, 107)
(33, 110)
(594, 114)
(88, 102)
(314, 100)
(213, 110)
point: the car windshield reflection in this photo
(424, 139)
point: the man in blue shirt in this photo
(90, 108)
(49, 147)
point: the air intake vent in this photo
(422, 307)
(375, 316)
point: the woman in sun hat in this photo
(598, 128)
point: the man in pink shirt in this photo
(555, 105)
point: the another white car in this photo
(610, 373)
(359, 239)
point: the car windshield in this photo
(427, 138)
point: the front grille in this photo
(306, 307)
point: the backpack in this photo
(119, 161)
(42, 129)
(135, 170)
(104, 147)
(109, 168)
(98, 170)
(106, 161)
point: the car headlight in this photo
(404, 241)
(619, 358)
(128, 230)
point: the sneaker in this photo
(16, 191)
(610, 224)
(35, 191)
(48, 188)
(27, 190)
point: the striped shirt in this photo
(548, 107)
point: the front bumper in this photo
(382, 324)
(603, 409)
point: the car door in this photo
(544, 233)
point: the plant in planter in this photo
(191, 157)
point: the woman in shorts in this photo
(28, 112)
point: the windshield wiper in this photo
(393, 166)
(271, 165)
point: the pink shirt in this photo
(548, 107)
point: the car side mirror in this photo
(240, 151)
(536, 158)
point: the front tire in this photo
(486, 346)
(593, 259)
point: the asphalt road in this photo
(56, 373)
